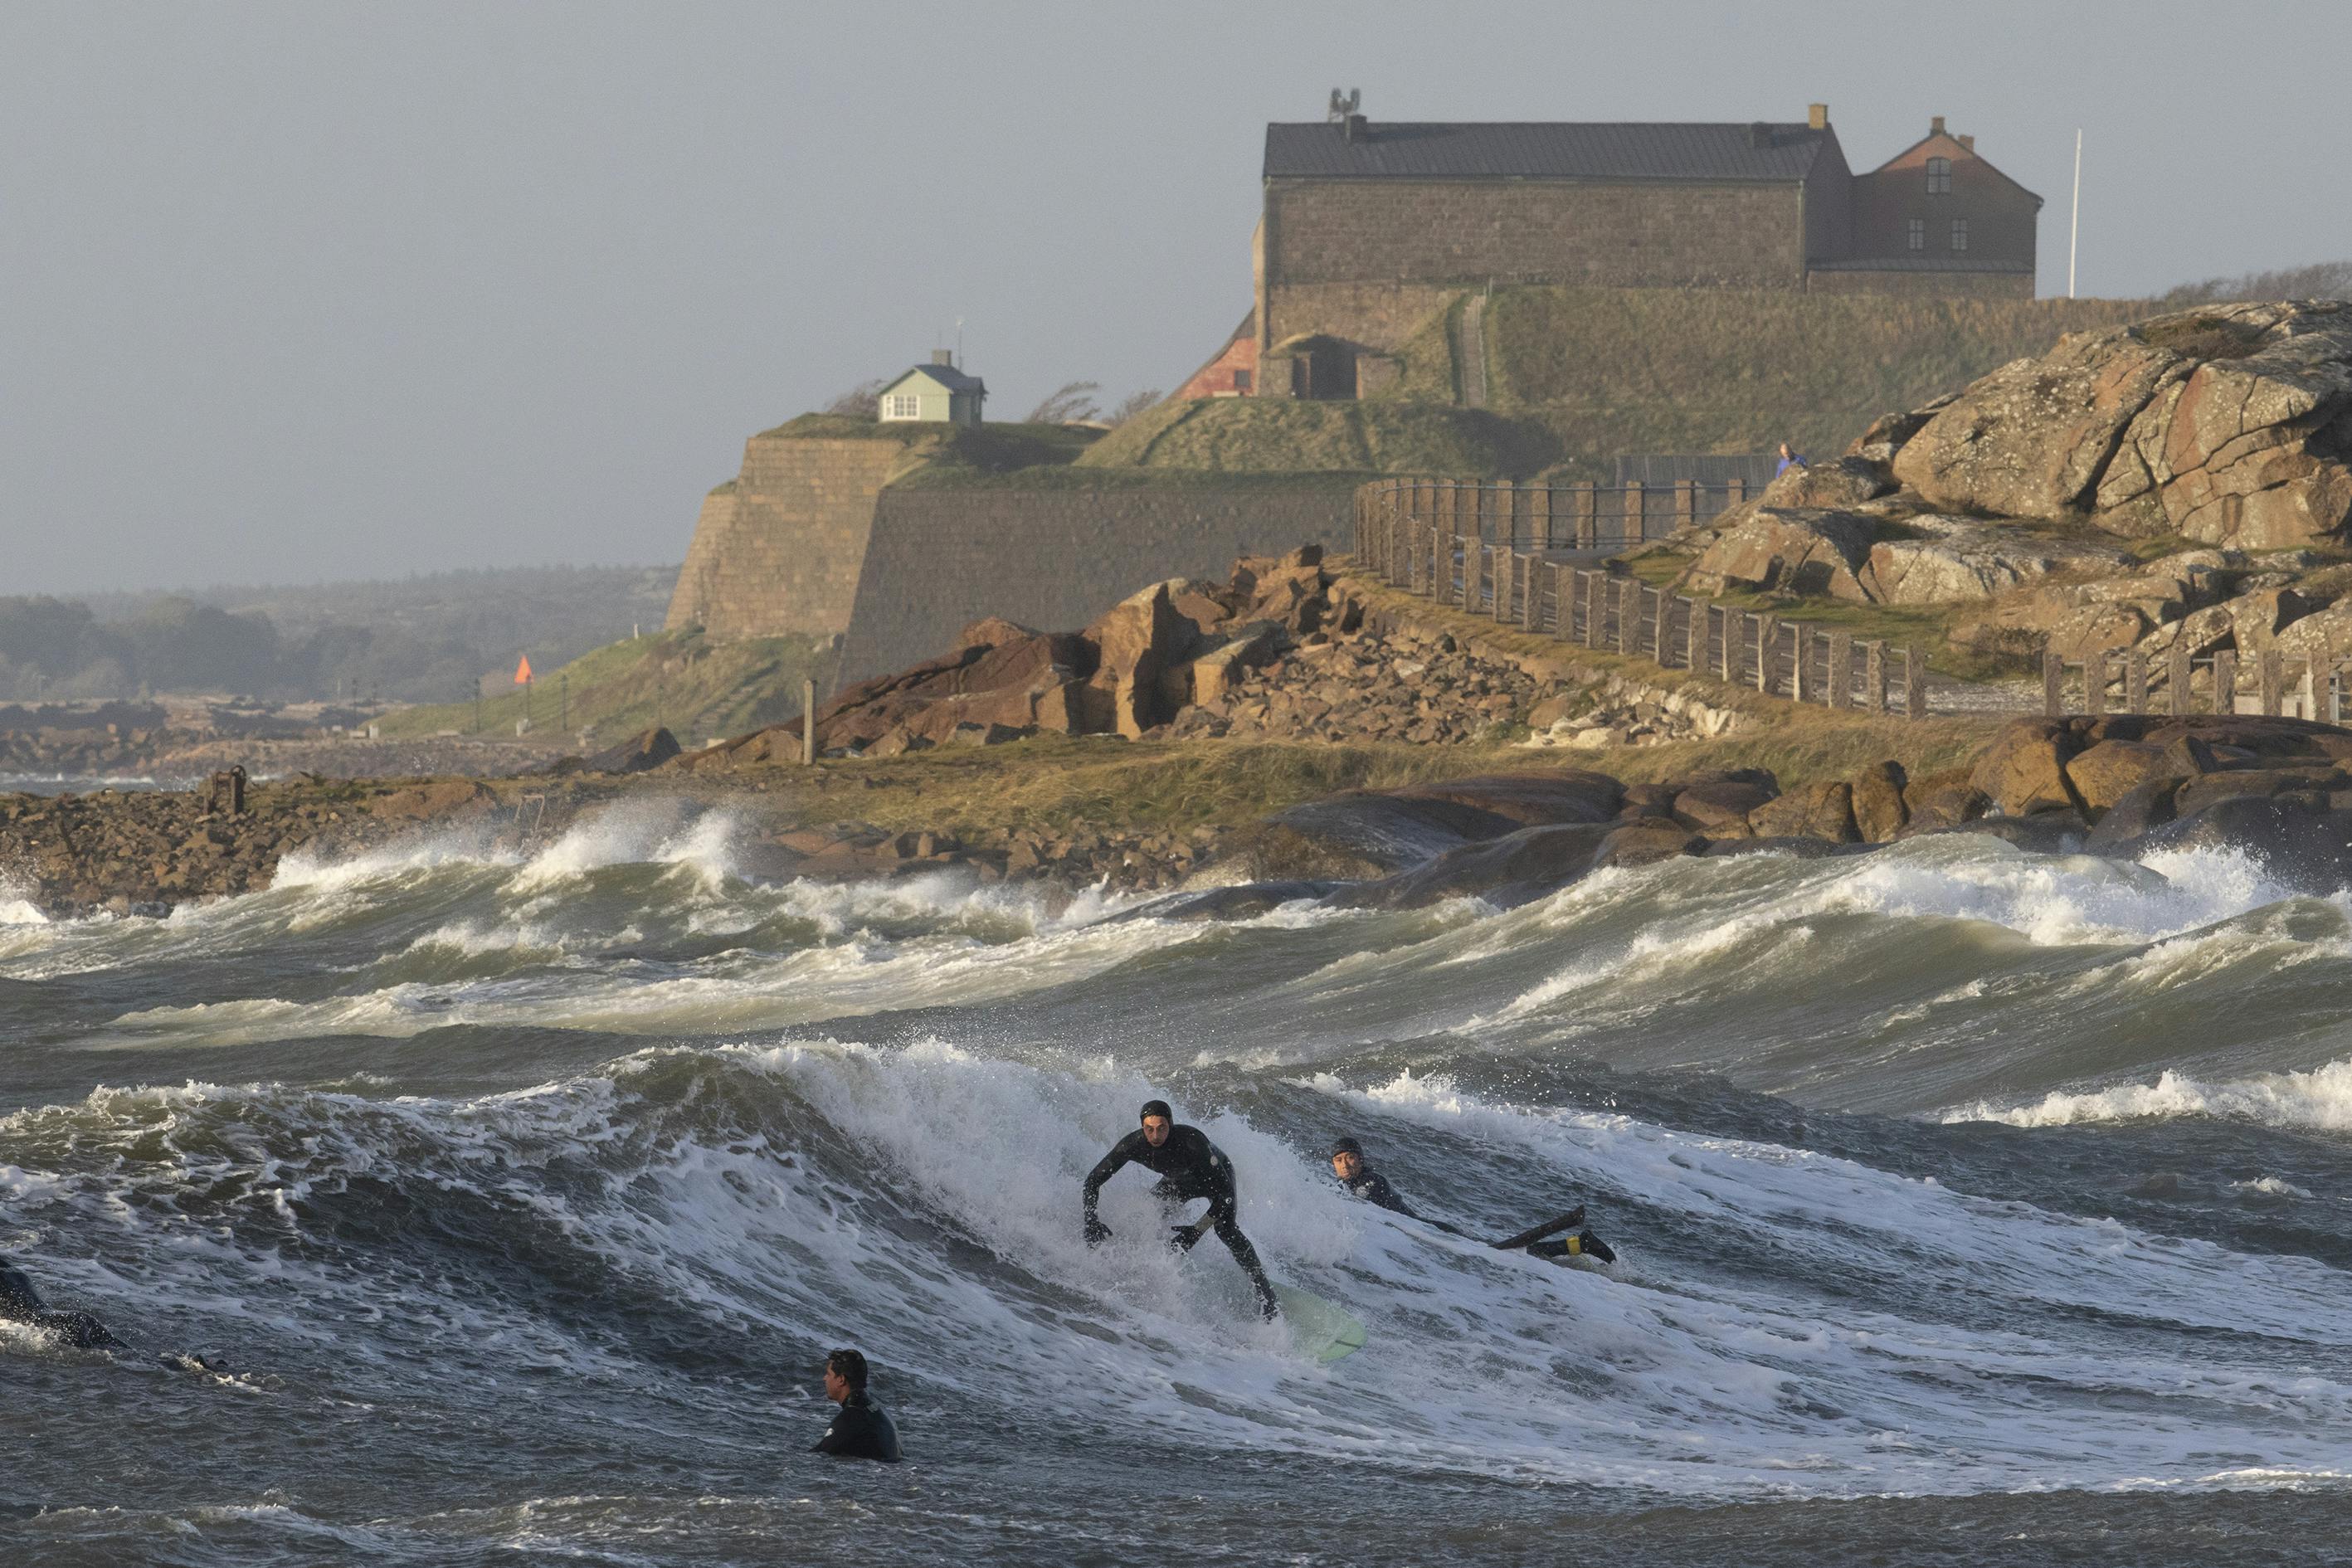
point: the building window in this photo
(1939, 176)
(1918, 234)
(1241, 381)
(1960, 234)
(902, 405)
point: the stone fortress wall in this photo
(778, 549)
(810, 540)
(939, 560)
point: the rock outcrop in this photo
(2229, 423)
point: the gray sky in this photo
(308, 291)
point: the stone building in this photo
(1367, 229)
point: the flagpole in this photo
(2074, 225)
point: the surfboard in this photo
(1320, 1328)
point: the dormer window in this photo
(1939, 176)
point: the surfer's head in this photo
(1156, 1120)
(1346, 1158)
(844, 1374)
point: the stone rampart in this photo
(779, 549)
(939, 559)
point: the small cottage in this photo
(938, 392)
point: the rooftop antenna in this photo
(2074, 225)
(1344, 104)
(959, 342)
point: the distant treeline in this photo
(428, 638)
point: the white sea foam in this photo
(2320, 1099)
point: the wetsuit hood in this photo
(1152, 1107)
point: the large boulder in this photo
(1507, 871)
(2032, 438)
(1138, 642)
(637, 753)
(1945, 799)
(1824, 810)
(1846, 481)
(2229, 423)
(2023, 770)
(1879, 812)
(2307, 849)
(1532, 800)
(1721, 805)
(2108, 771)
(1793, 551)
(1950, 560)
(2249, 444)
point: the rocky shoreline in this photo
(2118, 785)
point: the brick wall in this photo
(2002, 216)
(1466, 232)
(780, 551)
(1056, 559)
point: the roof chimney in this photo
(1969, 144)
(943, 356)
(1356, 127)
(1760, 135)
(1936, 126)
(1817, 116)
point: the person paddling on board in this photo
(1189, 1166)
(20, 1304)
(860, 1429)
(1361, 1181)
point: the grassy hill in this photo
(1244, 435)
(1576, 378)
(697, 688)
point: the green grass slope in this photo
(697, 688)
(1243, 435)
(1625, 371)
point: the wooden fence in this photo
(2177, 683)
(1546, 516)
(1489, 550)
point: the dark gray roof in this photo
(946, 375)
(1428, 151)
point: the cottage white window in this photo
(1960, 234)
(1918, 234)
(906, 406)
(1939, 176)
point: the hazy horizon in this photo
(311, 294)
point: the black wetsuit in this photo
(19, 1303)
(1373, 1188)
(1189, 1166)
(861, 1430)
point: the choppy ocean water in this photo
(1973, 1206)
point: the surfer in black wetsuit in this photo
(20, 1304)
(1189, 1166)
(860, 1429)
(1364, 1182)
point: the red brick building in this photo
(1367, 229)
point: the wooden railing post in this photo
(1800, 681)
(1841, 692)
(1731, 665)
(2053, 683)
(1686, 502)
(1636, 511)
(2095, 682)
(2310, 694)
(1874, 676)
(1586, 499)
(2274, 676)
(1915, 682)
(2177, 675)
(1596, 608)
(2225, 683)
(1695, 633)
(1629, 616)
(2134, 681)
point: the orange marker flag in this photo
(522, 672)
